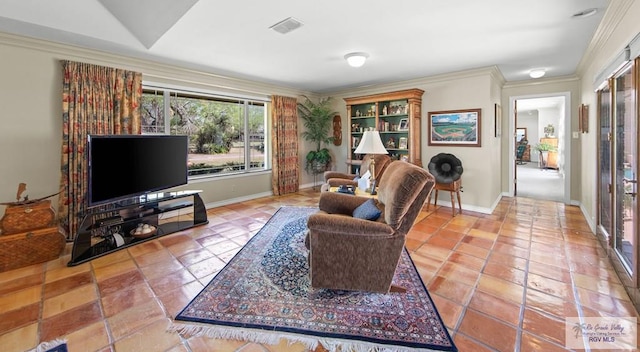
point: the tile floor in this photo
(502, 282)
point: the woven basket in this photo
(32, 247)
(27, 217)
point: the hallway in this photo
(537, 183)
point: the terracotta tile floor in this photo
(502, 282)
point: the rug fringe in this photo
(242, 334)
(274, 337)
(45, 346)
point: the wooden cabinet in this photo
(551, 161)
(396, 115)
(526, 156)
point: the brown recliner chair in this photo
(335, 178)
(349, 253)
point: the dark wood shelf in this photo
(95, 237)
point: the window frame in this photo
(170, 91)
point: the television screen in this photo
(123, 166)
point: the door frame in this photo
(566, 154)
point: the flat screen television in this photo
(125, 166)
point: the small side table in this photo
(453, 187)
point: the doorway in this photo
(542, 172)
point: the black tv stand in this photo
(95, 236)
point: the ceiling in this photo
(405, 39)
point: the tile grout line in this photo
(576, 294)
(465, 306)
(41, 303)
(523, 304)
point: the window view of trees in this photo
(225, 136)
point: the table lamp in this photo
(371, 144)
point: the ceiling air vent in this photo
(287, 25)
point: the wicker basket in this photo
(30, 247)
(27, 217)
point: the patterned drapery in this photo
(95, 100)
(284, 129)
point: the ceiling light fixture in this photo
(537, 73)
(585, 13)
(356, 59)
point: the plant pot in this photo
(319, 167)
(543, 158)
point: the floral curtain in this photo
(285, 163)
(95, 100)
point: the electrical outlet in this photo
(576, 135)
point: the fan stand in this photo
(453, 187)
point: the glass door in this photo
(515, 165)
(626, 169)
(605, 181)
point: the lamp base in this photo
(372, 170)
(373, 188)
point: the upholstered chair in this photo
(335, 178)
(351, 253)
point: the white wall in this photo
(30, 136)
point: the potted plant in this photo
(318, 121)
(544, 149)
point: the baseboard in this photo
(311, 185)
(587, 217)
(467, 207)
(238, 199)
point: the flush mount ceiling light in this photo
(287, 25)
(537, 73)
(356, 59)
(585, 13)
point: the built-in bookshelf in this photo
(396, 115)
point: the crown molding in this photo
(151, 70)
(542, 81)
(616, 10)
(491, 71)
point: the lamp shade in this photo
(371, 144)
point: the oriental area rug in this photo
(263, 295)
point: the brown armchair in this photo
(349, 253)
(335, 178)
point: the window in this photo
(226, 135)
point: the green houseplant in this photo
(318, 121)
(544, 147)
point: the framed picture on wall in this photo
(455, 128)
(497, 115)
(583, 118)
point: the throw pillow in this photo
(367, 210)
